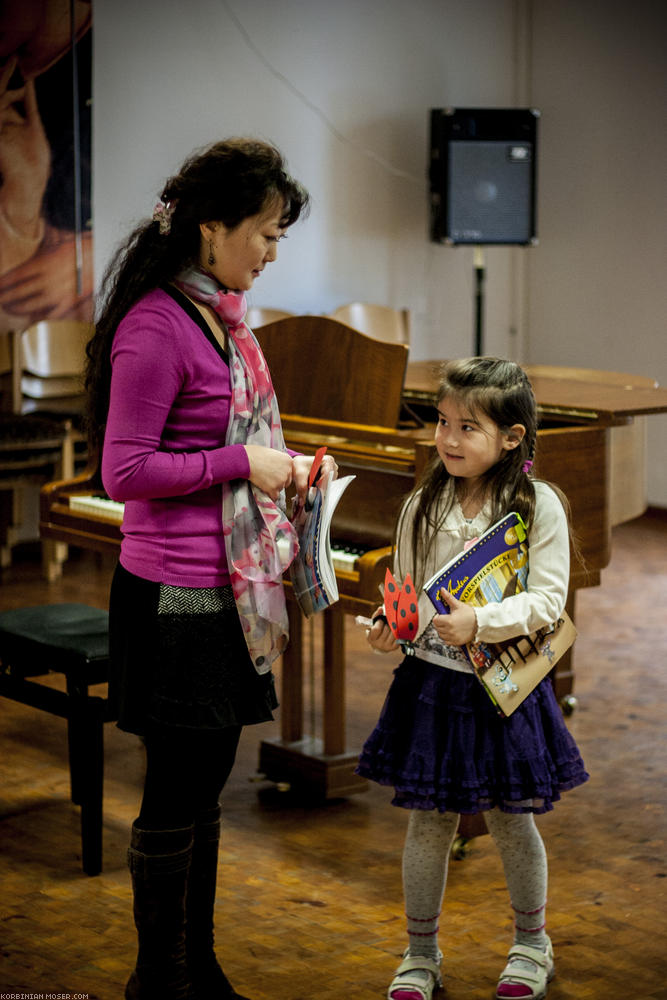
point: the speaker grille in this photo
(489, 198)
(482, 175)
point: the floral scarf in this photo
(259, 540)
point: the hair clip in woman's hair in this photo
(527, 465)
(162, 214)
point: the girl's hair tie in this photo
(527, 465)
(162, 214)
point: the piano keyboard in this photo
(344, 555)
(98, 505)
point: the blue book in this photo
(493, 567)
(312, 573)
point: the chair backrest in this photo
(257, 316)
(325, 369)
(379, 322)
(40, 439)
(48, 361)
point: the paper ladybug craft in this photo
(400, 608)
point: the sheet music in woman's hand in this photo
(312, 573)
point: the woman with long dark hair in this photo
(184, 417)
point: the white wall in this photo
(596, 282)
(344, 88)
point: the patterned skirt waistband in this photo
(443, 661)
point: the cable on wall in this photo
(329, 125)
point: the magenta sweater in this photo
(164, 451)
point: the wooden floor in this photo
(310, 903)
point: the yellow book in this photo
(494, 567)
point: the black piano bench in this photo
(73, 640)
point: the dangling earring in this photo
(211, 257)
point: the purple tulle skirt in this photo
(441, 744)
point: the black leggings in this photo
(186, 770)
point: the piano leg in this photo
(562, 675)
(469, 828)
(291, 702)
(54, 555)
(334, 681)
(320, 769)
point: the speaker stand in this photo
(478, 264)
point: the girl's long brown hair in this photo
(501, 391)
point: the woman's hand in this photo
(380, 636)
(270, 470)
(302, 465)
(460, 625)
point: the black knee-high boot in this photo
(207, 977)
(159, 862)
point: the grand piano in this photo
(373, 409)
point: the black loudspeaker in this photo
(483, 175)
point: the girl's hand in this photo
(380, 636)
(460, 625)
(270, 470)
(302, 465)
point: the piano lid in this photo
(324, 369)
(583, 393)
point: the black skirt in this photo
(179, 658)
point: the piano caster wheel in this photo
(280, 786)
(568, 704)
(460, 848)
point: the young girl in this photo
(439, 740)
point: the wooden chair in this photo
(32, 452)
(325, 369)
(47, 364)
(71, 640)
(46, 398)
(379, 322)
(257, 316)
